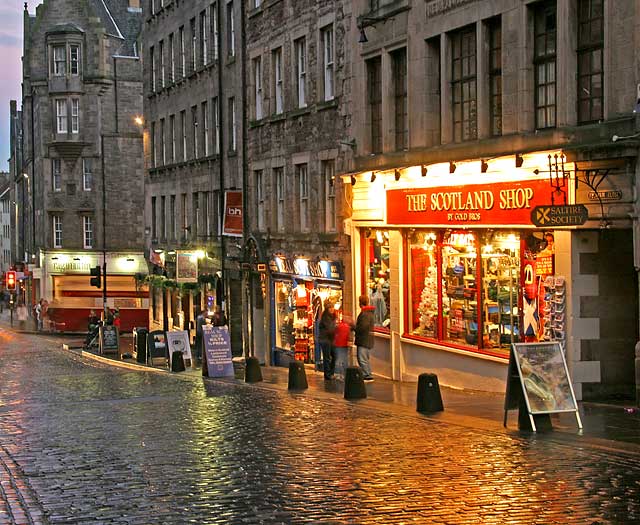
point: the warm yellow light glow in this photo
(501, 169)
(200, 254)
(138, 120)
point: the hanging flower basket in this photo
(190, 287)
(170, 284)
(207, 278)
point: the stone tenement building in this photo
(473, 121)
(82, 156)
(298, 78)
(194, 154)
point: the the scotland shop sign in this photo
(502, 203)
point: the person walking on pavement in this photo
(326, 333)
(22, 314)
(364, 336)
(37, 315)
(341, 344)
(200, 322)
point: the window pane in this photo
(377, 273)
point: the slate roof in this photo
(119, 21)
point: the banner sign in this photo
(178, 341)
(233, 213)
(505, 203)
(217, 349)
(307, 268)
(186, 267)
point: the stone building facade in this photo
(194, 156)
(82, 155)
(298, 124)
(483, 99)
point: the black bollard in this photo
(177, 362)
(252, 372)
(429, 399)
(297, 376)
(354, 383)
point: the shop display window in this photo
(480, 289)
(285, 313)
(298, 307)
(376, 272)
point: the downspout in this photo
(115, 90)
(245, 182)
(221, 197)
(33, 182)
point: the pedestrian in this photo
(218, 318)
(364, 336)
(201, 320)
(116, 319)
(341, 344)
(326, 334)
(37, 315)
(22, 313)
(108, 318)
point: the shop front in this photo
(66, 287)
(299, 289)
(459, 270)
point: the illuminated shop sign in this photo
(475, 204)
(306, 268)
(81, 263)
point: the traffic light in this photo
(96, 280)
(10, 280)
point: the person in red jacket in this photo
(341, 343)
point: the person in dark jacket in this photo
(326, 333)
(364, 336)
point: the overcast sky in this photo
(10, 66)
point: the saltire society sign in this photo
(507, 203)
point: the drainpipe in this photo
(221, 199)
(248, 345)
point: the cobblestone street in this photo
(82, 442)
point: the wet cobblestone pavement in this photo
(85, 443)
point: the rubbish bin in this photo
(140, 343)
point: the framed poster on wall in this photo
(186, 267)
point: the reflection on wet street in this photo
(88, 443)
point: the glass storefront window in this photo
(478, 289)
(460, 292)
(285, 313)
(376, 272)
(424, 284)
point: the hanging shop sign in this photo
(233, 213)
(501, 203)
(186, 267)
(556, 216)
(307, 268)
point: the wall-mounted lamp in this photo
(353, 180)
(373, 176)
(423, 170)
(397, 175)
(365, 21)
(519, 160)
(452, 167)
(483, 166)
